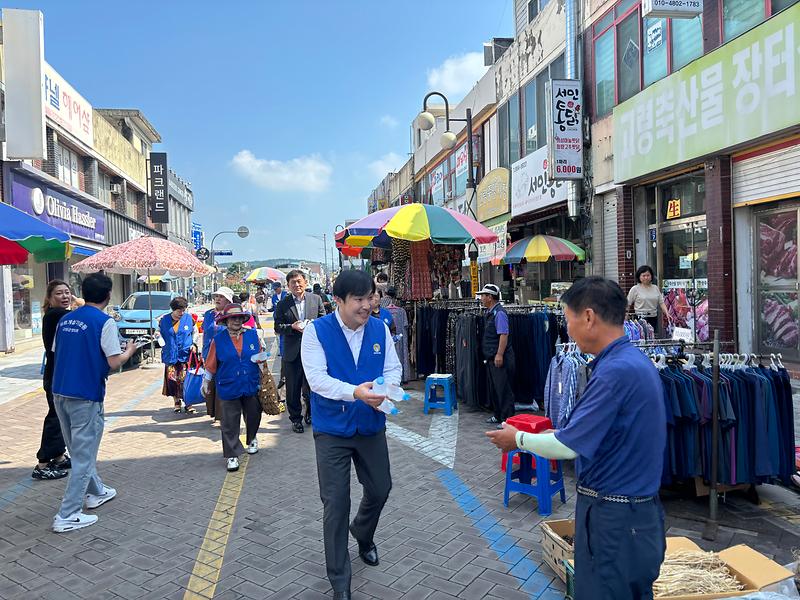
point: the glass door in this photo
(777, 283)
(684, 267)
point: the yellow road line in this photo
(208, 564)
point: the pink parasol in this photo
(151, 255)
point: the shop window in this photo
(628, 58)
(535, 7)
(502, 134)
(513, 129)
(655, 50)
(604, 73)
(781, 4)
(687, 41)
(739, 16)
(684, 197)
(531, 130)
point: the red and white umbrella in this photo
(150, 255)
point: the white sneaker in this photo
(253, 447)
(233, 464)
(93, 501)
(76, 520)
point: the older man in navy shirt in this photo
(616, 432)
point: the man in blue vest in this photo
(498, 355)
(86, 347)
(342, 354)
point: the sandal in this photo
(189, 410)
(177, 408)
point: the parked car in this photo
(133, 317)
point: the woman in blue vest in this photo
(177, 331)
(237, 379)
(222, 297)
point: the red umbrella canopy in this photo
(144, 254)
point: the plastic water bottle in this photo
(396, 393)
(388, 407)
(379, 387)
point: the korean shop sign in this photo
(674, 208)
(492, 194)
(676, 9)
(565, 129)
(746, 89)
(159, 188)
(65, 106)
(531, 188)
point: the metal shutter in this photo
(610, 264)
(768, 175)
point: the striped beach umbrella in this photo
(541, 248)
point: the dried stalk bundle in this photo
(688, 572)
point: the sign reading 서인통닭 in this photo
(742, 91)
(565, 129)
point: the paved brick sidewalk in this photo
(20, 373)
(444, 534)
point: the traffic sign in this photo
(223, 252)
(202, 253)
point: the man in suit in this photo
(291, 316)
(458, 288)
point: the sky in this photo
(283, 115)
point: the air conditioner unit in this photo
(115, 188)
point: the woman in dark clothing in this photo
(53, 463)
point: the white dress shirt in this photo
(301, 307)
(315, 364)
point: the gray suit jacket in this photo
(286, 313)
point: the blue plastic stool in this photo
(447, 401)
(542, 484)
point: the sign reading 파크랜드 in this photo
(742, 91)
(675, 9)
(159, 182)
(565, 129)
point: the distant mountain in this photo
(272, 262)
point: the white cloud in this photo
(305, 174)
(389, 121)
(388, 163)
(457, 75)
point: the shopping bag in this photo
(193, 381)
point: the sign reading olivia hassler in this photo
(69, 215)
(531, 188)
(742, 91)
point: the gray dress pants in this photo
(370, 455)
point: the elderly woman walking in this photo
(177, 331)
(222, 297)
(237, 377)
(53, 462)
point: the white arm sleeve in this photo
(109, 339)
(545, 445)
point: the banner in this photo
(531, 188)
(495, 250)
(565, 129)
(66, 107)
(492, 194)
(742, 91)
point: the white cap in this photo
(490, 289)
(225, 292)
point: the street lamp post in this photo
(324, 239)
(242, 232)
(426, 121)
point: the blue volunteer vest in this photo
(385, 316)
(236, 375)
(81, 366)
(177, 344)
(210, 330)
(337, 417)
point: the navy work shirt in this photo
(618, 427)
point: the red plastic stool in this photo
(528, 424)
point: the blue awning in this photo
(83, 251)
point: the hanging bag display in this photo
(194, 380)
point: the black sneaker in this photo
(298, 428)
(64, 464)
(48, 473)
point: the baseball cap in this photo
(490, 289)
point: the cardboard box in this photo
(555, 549)
(753, 570)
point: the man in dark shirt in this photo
(617, 433)
(498, 355)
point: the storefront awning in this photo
(83, 251)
